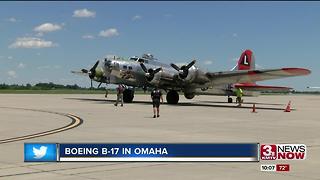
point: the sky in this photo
(44, 41)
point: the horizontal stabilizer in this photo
(251, 76)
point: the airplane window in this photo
(130, 68)
(133, 59)
(124, 67)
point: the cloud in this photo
(207, 62)
(47, 27)
(88, 36)
(32, 42)
(234, 35)
(12, 19)
(9, 57)
(21, 66)
(136, 17)
(12, 74)
(109, 33)
(84, 13)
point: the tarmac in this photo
(87, 118)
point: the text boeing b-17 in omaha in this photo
(146, 71)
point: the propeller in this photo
(149, 72)
(183, 70)
(91, 72)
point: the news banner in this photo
(167, 152)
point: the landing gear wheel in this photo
(172, 97)
(230, 100)
(128, 95)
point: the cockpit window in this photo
(133, 59)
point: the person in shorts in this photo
(156, 95)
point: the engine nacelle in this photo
(189, 95)
(156, 79)
(192, 74)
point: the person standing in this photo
(239, 94)
(156, 95)
(120, 90)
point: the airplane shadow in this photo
(257, 103)
(215, 104)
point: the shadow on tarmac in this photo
(215, 104)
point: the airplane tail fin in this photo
(246, 61)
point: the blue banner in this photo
(158, 152)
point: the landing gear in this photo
(172, 97)
(106, 95)
(128, 95)
(230, 100)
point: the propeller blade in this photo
(99, 85)
(157, 70)
(191, 64)
(175, 66)
(91, 84)
(143, 67)
(94, 66)
(79, 72)
(84, 70)
(92, 71)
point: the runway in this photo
(203, 119)
(76, 121)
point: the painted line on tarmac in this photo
(76, 121)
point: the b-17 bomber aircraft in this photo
(148, 72)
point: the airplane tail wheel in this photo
(230, 100)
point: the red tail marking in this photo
(245, 60)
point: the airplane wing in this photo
(251, 76)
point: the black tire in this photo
(128, 95)
(230, 100)
(172, 97)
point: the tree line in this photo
(41, 86)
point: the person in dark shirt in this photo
(156, 95)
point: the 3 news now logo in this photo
(40, 152)
(283, 152)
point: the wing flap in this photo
(256, 87)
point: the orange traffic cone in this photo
(288, 108)
(254, 108)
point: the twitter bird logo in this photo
(39, 153)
